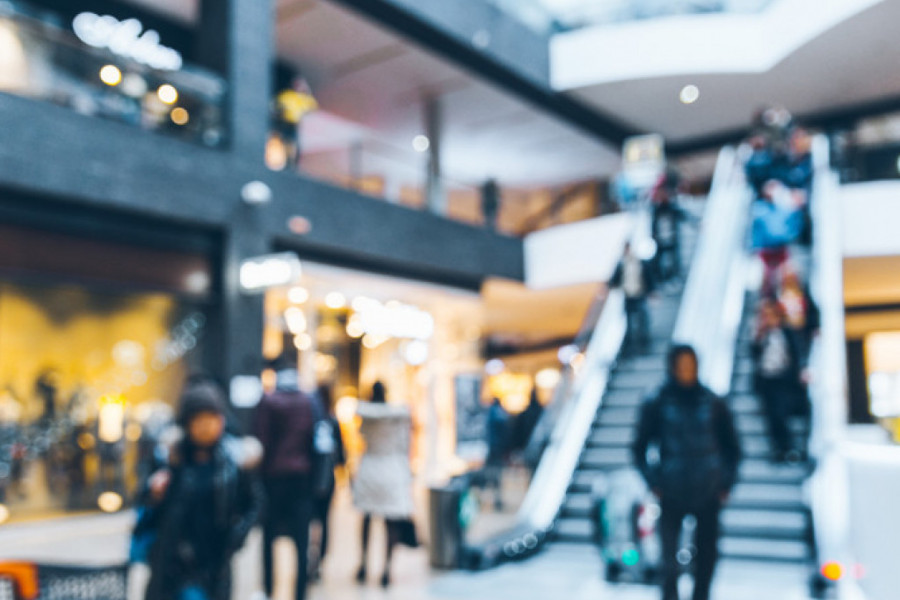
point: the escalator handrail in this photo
(711, 306)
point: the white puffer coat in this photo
(383, 483)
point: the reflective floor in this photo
(568, 571)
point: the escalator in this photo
(768, 517)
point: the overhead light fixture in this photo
(111, 75)
(689, 94)
(421, 143)
(256, 192)
(274, 270)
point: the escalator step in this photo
(764, 549)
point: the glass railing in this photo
(141, 84)
(566, 15)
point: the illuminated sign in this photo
(273, 270)
(126, 38)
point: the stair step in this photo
(578, 504)
(642, 363)
(767, 496)
(756, 425)
(636, 380)
(606, 458)
(623, 399)
(764, 524)
(618, 416)
(764, 549)
(760, 471)
(609, 436)
(745, 404)
(574, 530)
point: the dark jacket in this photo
(285, 425)
(698, 445)
(646, 273)
(187, 550)
(666, 215)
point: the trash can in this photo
(444, 523)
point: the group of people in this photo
(210, 485)
(779, 172)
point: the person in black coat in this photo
(698, 456)
(779, 364)
(324, 496)
(200, 506)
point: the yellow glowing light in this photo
(111, 75)
(335, 301)
(86, 441)
(298, 295)
(832, 571)
(303, 342)
(167, 93)
(111, 418)
(4, 514)
(295, 320)
(345, 409)
(109, 502)
(180, 116)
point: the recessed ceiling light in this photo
(690, 94)
(421, 143)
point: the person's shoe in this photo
(386, 580)
(361, 575)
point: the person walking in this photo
(383, 483)
(777, 380)
(699, 451)
(198, 507)
(498, 437)
(775, 225)
(285, 425)
(635, 277)
(326, 481)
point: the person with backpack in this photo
(286, 422)
(692, 433)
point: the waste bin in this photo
(444, 523)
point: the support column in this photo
(435, 194)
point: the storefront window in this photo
(101, 66)
(86, 379)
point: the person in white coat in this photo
(382, 486)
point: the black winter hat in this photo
(200, 398)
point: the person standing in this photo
(285, 425)
(498, 431)
(698, 455)
(383, 484)
(775, 225)
(490, 203)
(326, 481)
(778, 364)
(635, 277)
(665, 223)
(200, 506)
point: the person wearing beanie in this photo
(200, 506)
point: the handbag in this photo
(406, 532)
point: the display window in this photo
(93, 354)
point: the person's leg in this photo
(366, 528)
(774, 403)
(670, 524)
(393, 538)
(302, 520)
(631, 325)
(706, 540)
(324, 510)
(270, 532)
(643, 318)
